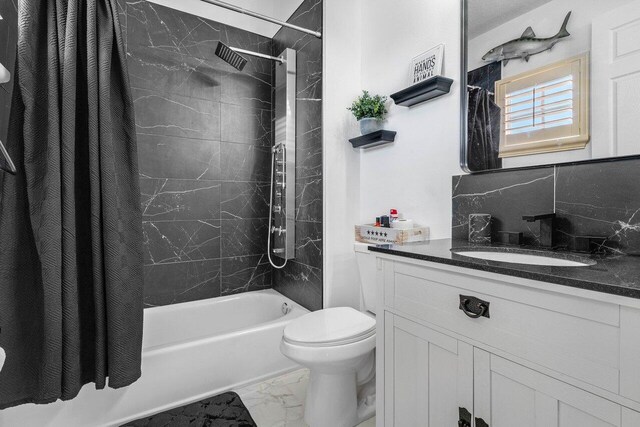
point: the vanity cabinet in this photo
(428, 374)
(543, 355)
(509, 394)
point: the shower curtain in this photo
(70, 220)
(483, 131)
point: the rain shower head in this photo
(231, 57)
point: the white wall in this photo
(413, 174)
(369, 46)
(279, 9)
(341, 163)
(546, 21)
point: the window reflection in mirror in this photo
(551, 81)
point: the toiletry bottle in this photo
(394, 215)
(377, 221)
(385, 221)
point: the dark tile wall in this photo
(301, 279)
(204, 132)
(597, 199)
(8, 40)
(486, 76)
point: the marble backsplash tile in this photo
(599, 199)
(507, 196)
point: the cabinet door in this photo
(507, 394)
(428, 375)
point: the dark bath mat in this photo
(224, 410)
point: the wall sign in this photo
(426, 65)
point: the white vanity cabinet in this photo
(546, 356)
(428, 373)
(509, 394)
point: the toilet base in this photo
(331, 400)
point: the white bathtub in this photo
(190, 351)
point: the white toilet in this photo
(337, 345)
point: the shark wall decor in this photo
(528, 44)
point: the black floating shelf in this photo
(373, 139)
(423, 91)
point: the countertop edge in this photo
(507, 271)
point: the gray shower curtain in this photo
(70, 220)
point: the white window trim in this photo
(553, 139)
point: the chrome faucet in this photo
(546, 227)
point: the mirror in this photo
(549, 82)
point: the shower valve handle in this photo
(280, 230)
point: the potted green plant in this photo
(369, 110)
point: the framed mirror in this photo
(549, 82)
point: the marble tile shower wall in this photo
(594, 199)
(204, 132)
(301, 279)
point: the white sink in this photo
(525, 258)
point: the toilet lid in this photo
(331, 326)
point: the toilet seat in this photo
(330, 327)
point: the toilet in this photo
(337, 345)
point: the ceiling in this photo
(279, 9)
(485, 15)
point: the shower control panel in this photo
(282, 227)
(281, 205)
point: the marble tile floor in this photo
(279, 402)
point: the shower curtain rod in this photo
(263, 17)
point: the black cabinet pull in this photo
(474, 307)
(481, 423)
(464, 418)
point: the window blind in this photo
(545, 109)
(543, 106)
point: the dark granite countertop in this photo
(612, 274)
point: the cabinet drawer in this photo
(573, 336)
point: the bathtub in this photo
(190, 351)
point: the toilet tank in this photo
(367, 268)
